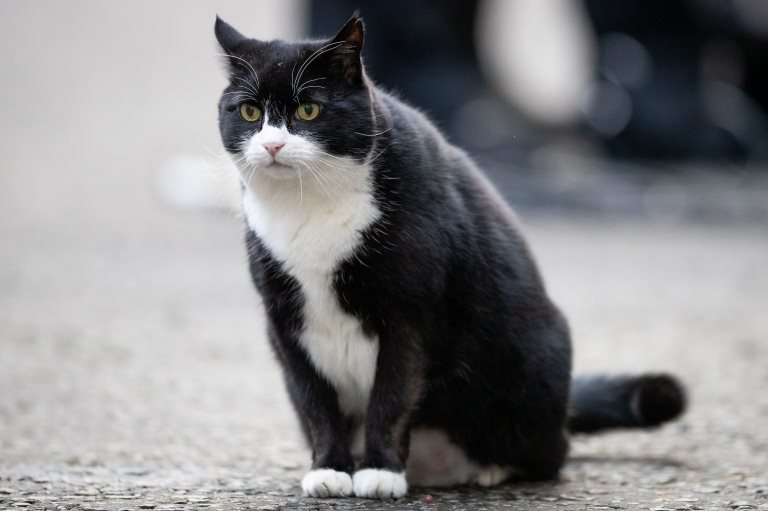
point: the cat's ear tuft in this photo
(348, 53)
(229, 38)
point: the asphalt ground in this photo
(135, 373)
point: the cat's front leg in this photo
(317, 405)
(381, 474)
(332, 461)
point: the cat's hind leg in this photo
(493, 475)
(436, 461)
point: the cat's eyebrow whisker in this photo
(309, 87)
(248, 86)
(311, 58)
(253, 71)
(305, 85)
(239, 95)
(310, 81)
(296, 96)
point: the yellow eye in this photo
(307, 111)
(249, 112)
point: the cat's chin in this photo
(278, 171)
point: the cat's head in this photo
(292, 108)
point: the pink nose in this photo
(272, 149)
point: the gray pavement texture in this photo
(137, 376)
(134, 373)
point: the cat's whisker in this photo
(317, 53)
(242, 93)
(345, 161)
(296, 96)
(332, 179)
(377, 156)
(239, 95)
(372, 134)
(326, 178)
(252, 70)
(248, 170)
(218, 153)
(307, 62)
(301, 188)
(312, 172)
(310, 81)
(334, 183)
(248, 86)
(309, 87)
(305, 85)
(215, 172)
(341, 168)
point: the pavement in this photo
(134, 373)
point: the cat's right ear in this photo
(349, 44)
(229, 39)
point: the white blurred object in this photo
(188, 182)
(540, 54)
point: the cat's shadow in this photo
(544, 488)
(629, 460)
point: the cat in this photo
(416, 338)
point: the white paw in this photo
(372, 483)
(491, 475)
(326, 482)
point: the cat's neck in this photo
(321, 212)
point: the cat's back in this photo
(439, 164)
(439, 182)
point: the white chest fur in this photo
(310, 230)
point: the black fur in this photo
(600, 403)
(469, 341)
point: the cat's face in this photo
(293, 108)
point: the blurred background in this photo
(630, 136)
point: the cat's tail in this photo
(607, 402)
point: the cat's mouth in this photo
(276, 166)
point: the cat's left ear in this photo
(348, 54)
(231, 42)
(229, 39)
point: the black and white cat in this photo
(417, 341)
